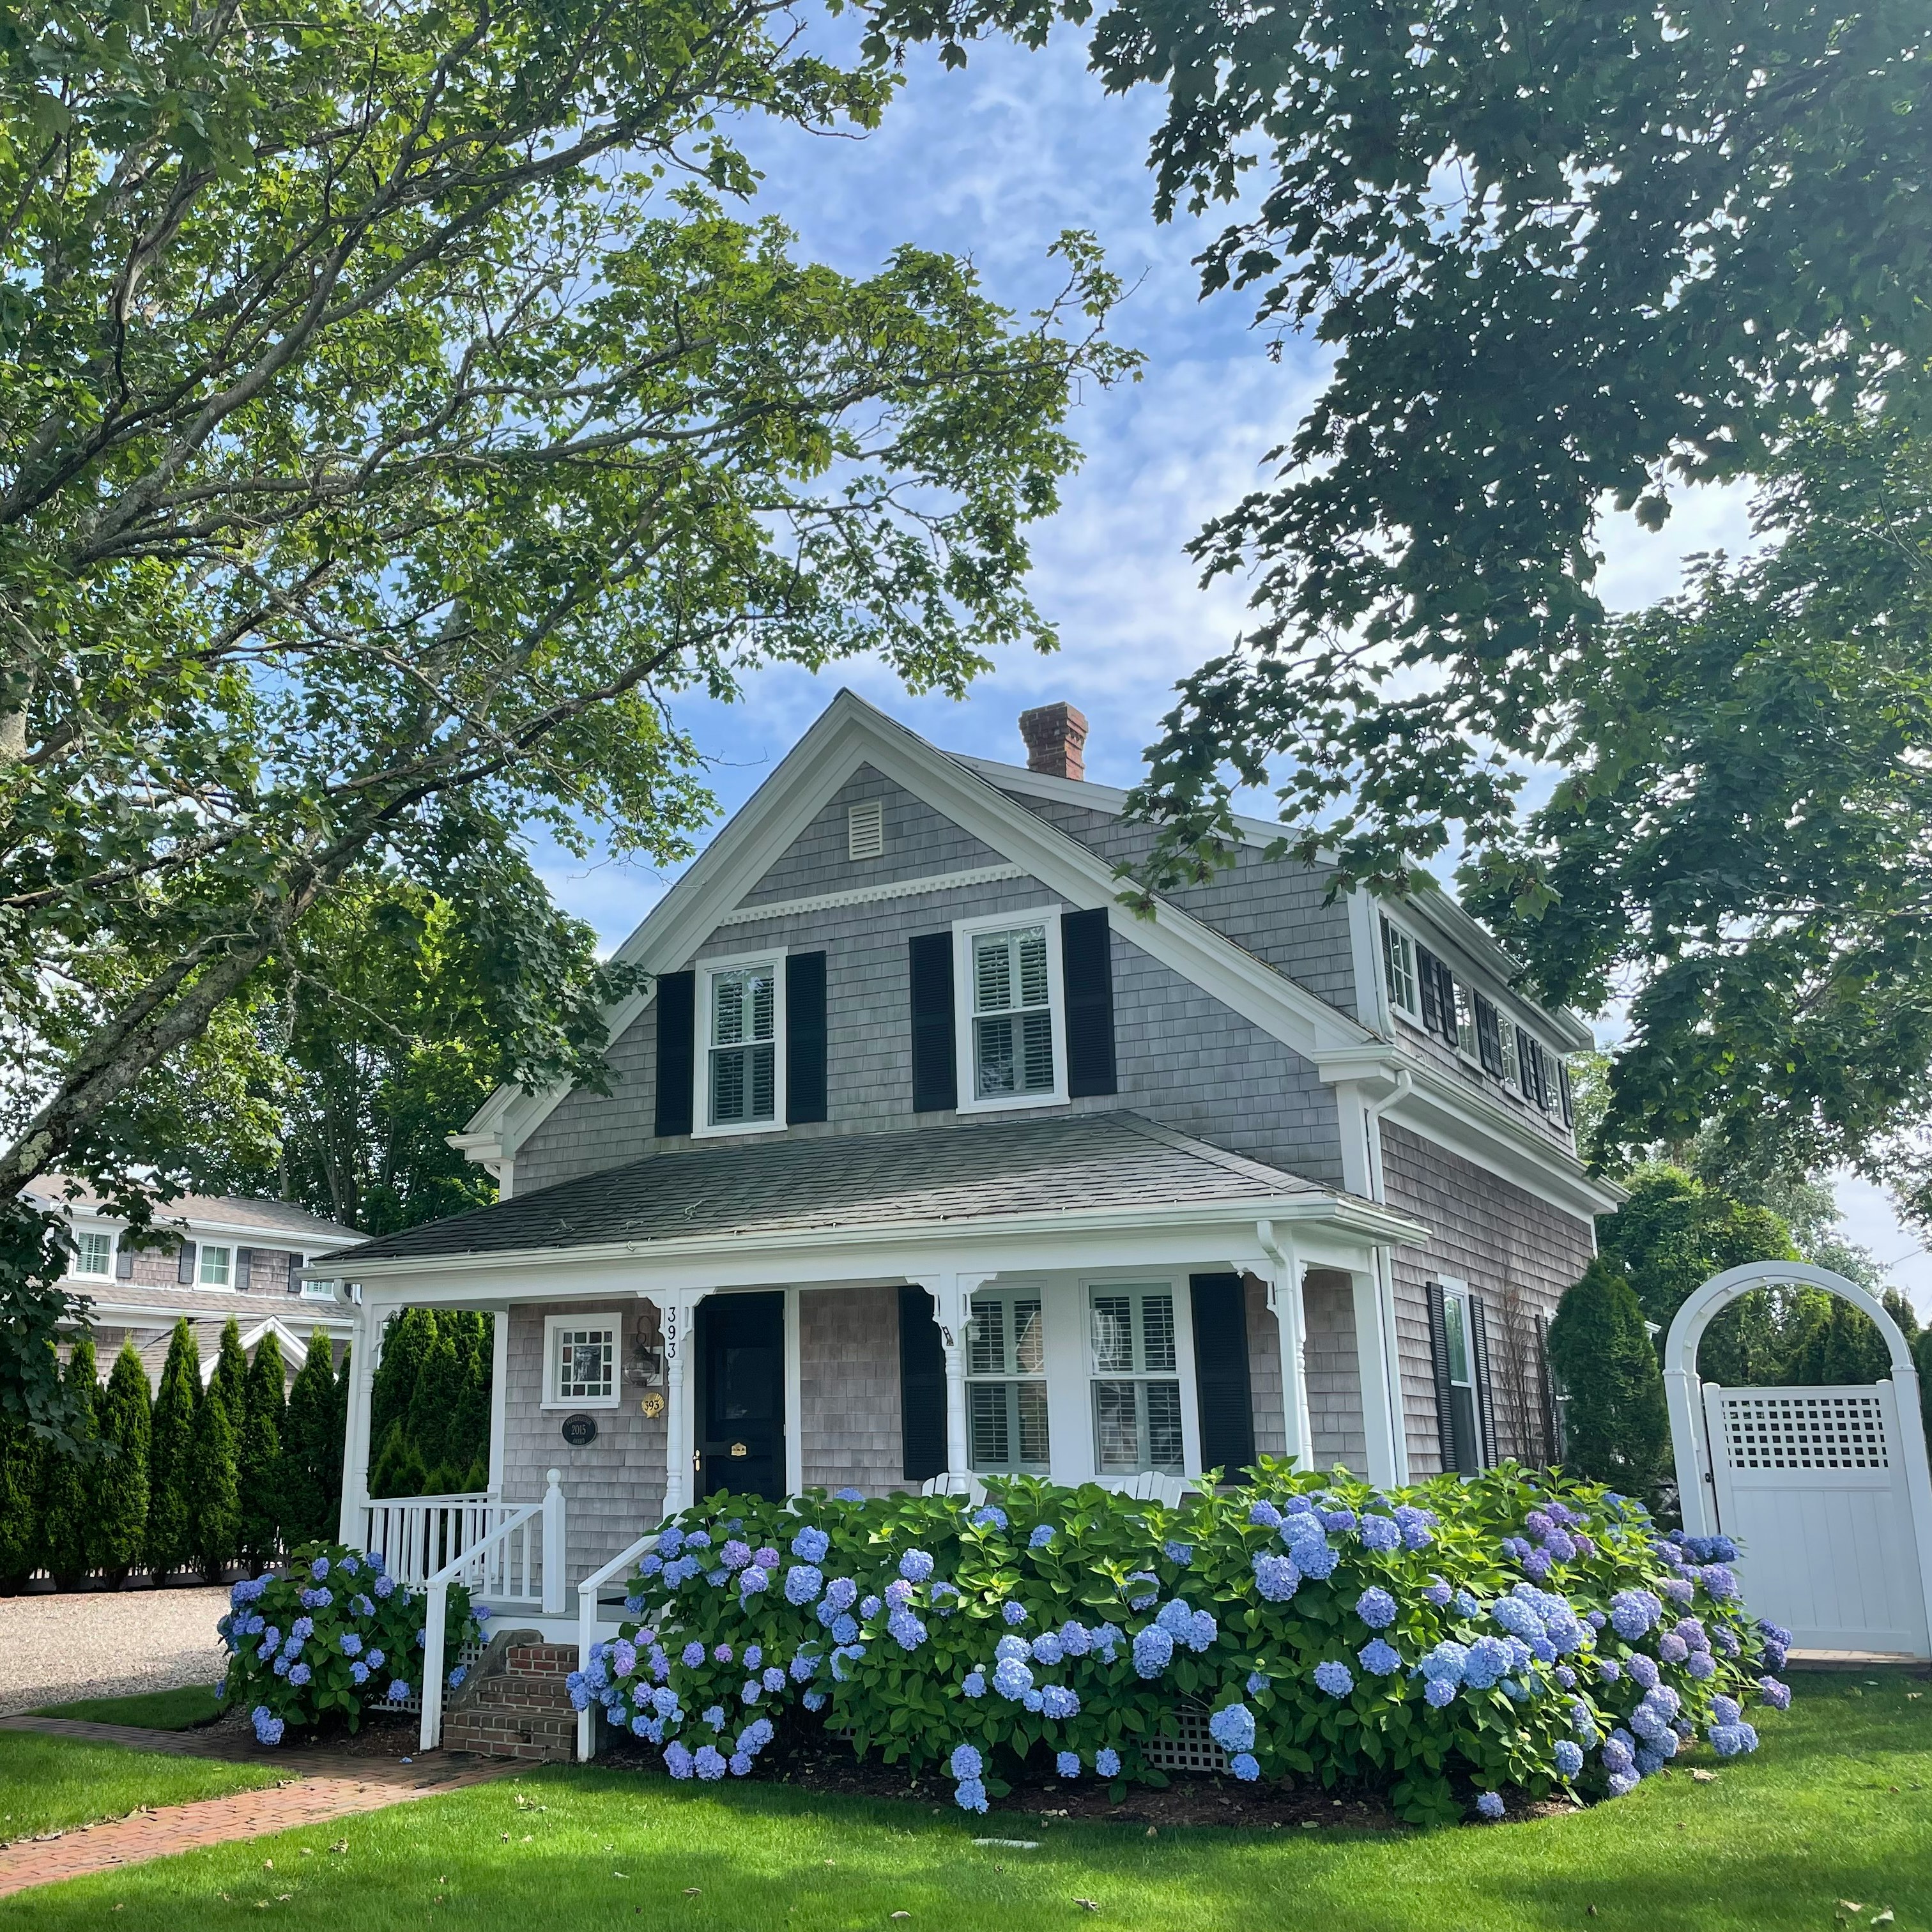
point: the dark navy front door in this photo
(741, 1394)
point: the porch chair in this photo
(955, 1483)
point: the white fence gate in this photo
(1827, 1490)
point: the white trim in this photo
(553, 1326)
(1179, 1289)
(965, 931)
(76, 1273)
(708, 970)
(794, 1396)
(888, 889)
(499, 1397)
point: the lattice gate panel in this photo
(1767, 1429)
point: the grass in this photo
(1837, 1806)
(49, 1784)
(152, 1710)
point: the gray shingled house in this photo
(924, 1157)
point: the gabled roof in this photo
(911, 1177)
(851, 733)
(235, 1214)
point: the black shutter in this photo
(677, 1015)
(922, 1387)
(935, 1072)
(1439, 1363)
(1087, 960)
(1221, 1382)
(123, 1262)
(244, 1259)
(1564, 1095)
(1525, 1064)
(805, 1037)
(184, 1263)
(1539, 1066)
(296, 1264)
(1431, 998)
(1479, 1363)
(1488, 1037)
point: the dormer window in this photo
(1008, 987)
(1398, 969)
(741, 1071)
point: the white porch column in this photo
(1373, 1358)
(951, 1292)
(1283, 1277)
(499, 1397)
(675, 1312)
(363, 1342)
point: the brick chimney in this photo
(1056, 737)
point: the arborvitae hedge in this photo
(1616, 1427)
(258, 1461)
(429, 1405)
(67, 1537)
(213, 1506)
(311, 1464)
(20, 1520)
(121, 1478)
(168, 1543)
(230, 1378)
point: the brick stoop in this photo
(513, 1704)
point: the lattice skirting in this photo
(467, 1657)
(1191, 1749)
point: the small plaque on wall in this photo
(580, 1431)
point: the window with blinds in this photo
(1012, 1013)
(743, 1045)
(1006, 1384)
(1136, 1386)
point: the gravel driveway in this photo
(55, 1649)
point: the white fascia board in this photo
(850, 733)
(1434, 907)
(159, 1315)
(1171, 1235)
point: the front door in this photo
(741, 1394)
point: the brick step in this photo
(516, 1704)
(538, 1737)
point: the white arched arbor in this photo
(1828, 1489)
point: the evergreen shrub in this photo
(258, 1458)
(1441, 1643)
(1616, 1424)
(68, 1540)
(120, 1476)
(333, 1636)
(171, 1442)
(212, 1488)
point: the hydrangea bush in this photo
(1456, 1637)
(332, 1633)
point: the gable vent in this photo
(865, 828)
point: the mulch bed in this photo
(387, 1736)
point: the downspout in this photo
(1371, 1114)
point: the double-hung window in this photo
(1006, 1383)
(93, 1253)
(1399, 968)
(1136, 1379)
(741, 1069)
(581, 1366)
(1465, 1439)
(1011, 1011)
(215, 1266)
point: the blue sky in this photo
(993, 163)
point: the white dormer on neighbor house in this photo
(925, 1158)
(264, 1263)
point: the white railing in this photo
(415, 1536)
(517, 1563)
(588, 1623)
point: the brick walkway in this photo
(322, 1785)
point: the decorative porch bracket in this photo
(952, 1290)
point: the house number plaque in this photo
(740, 1449)
(580, 1431)
(653, 1403)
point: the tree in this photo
(405, 1341)
(68, 1537)
(20, 1517)
(258, 1460)
(396, 419)
(120, 1488)
(34, 1311)
(170, 1536)
(231, 1375)
(214, 1503)
(1616, 1427)
(311, 1464)
(433, 1406)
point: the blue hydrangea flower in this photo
(1335, 1678)
(299, 1674)
(1058, 1702)
(1376, 1607)
(1729, 1740)
(1438, 1692)
(1643, 1671)
(1276, 1578)
(1777, 1695)
(905, 1630)
(385, 1588)
(1567, 1757)
(916, 1566)
(301, 1630)
(1012, 1679)
(1042, 1536)
(973, 1684)
(970, 1795)
(399, 1689)
(1488, 1663)
(319, 1569)
(814, 1700)
(269, 1727)
(848, 1495)
(752, 1580)
(965, 1761)
(803, 1583)
(1489, 1803)
(1201, 1630)
(358, 1672)
(1418, 1526)
(693, 1653)
(1265, 1514)
(1379, 1658)
(736, 1553)
(351, 1644)
(990, 1516)
(1181, 1553)
(1074, 1639)
(1067, 1763)
(710, 1762)
(1437, 1592)
(678, 1760)
(772, 1678)
(1232, 1727)
(1107, 1763)
(1632, 1612)
(1245, 1766)
(1314, 1556)
(844, 1630)
(1014, 1613)
(1153, 1650)
(810, 1545)
(1337, 1517)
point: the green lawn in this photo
(154, 1711)
(1837, 1805)
(47, 1784)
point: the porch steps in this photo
(514, 1704)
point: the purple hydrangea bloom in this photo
(1642, 1670)
(1335, 1678)
(1632, 1612)
(754, 1580)
(1773, 1694)
(736, 1553)
(1702, 1666)
(1672, 1648)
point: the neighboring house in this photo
(221, 1255)
(923, 1154)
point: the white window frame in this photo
(1006, 1294)
(1402, 942)
(1461, 1293)
(1182, 1373)
(964, 931)
(318, 1290)
(103, 1274)
(708, 970)
(554, 1326)
(225, 1250)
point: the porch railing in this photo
(415, 1536)
(588, 1622)
(516, 1563)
